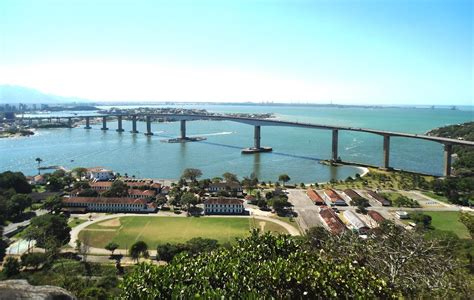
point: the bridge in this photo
(258, 123)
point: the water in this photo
(296, 151)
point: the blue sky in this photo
(348, 52)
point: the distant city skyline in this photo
(344, 52)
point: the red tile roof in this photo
(314, 196)
(104, 200)
(333, 196)
(332, 221)
(146, 193)
(223, 201)
(106, 184)
(376, 216)
(351, 194)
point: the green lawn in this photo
(448, 221)
(158, 230)
(435, 196)
(74, 222)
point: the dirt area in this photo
(111, 223)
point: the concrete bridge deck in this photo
(257, 123)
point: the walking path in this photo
(75, 231)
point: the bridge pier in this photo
(148, 126)
(386, 152)
(256, 143)
(50, 120)
(134, 124)
(448, 151)
(335, 142)
(256, 137)
(104, 123)
(119, 120)
(69, 122)
(88, 123)
(183, 129)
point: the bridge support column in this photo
(148, 126)
(104, 123)
(134, 124)
(69, 122)
(119, 120)
(448, 151)
(183, 129)
(256, 143)
(386, 152)
(50, 120)
(335, 141)
(88, 123)
(256, 137)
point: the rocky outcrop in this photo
(22, 290)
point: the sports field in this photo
(158, 230)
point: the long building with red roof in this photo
(109, 204)
(314, 196)
(332, 221)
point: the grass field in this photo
(157, 230)
(448, 221)
(435, 196)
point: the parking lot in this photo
(308, 213)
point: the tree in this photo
(361, 204)
(230, 177)
(111, 247)
(189, 199)
(53, 203)
(81, 185)
(409, 263)
(421, 220)
(284, 178)
(167, 251)
(33, 260)
(11, 267)
(55, 184)
(39, 160)
(279, 204)
(16, 181)
(49, 231)
(79, 172)
(198, 245)
(191, 174)
(17, 204)
(118, 189)
(88, 193)
(260, 266)
(138, 249)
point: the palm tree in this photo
(38, 160)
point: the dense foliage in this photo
(258, 266)
(49, 231)
(194, 246)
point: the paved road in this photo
(308, 213)
(75, 231)
(12, 227)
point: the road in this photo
(308, 213)
(11, 228)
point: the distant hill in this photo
(18, 94)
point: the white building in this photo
(402, 215)
(100, 174)
(354, 220)
(223, 206)
(109, 204)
